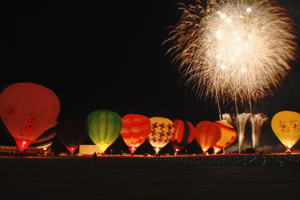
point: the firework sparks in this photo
(235, 49)
(226, 118)
(257, 121)
(242, 120)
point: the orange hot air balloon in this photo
(207, 135)
(286, 126)
(135, 130)
(28, 110)
(184, 134)
(162, 130)
(228, 136)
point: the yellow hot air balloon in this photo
(228, 136)
(286, 126)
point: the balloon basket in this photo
(157, 149)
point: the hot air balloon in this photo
(286, 126)
(71, 131)
(184, 133)
(104, 128)
(207, 135)
(135, 130)
(162, 130)
(228, 136)
(45, 140)
(28, 110)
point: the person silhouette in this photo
(95, 156)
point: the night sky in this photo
(109, 55)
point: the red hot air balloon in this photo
(207, 135)
(184, 134)
(72, 131)
(28, 110)
(135, 130)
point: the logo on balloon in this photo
(9, 110)
(29, 124)
(290, 126)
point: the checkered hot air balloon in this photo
(162, 131)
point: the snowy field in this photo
(139, 178)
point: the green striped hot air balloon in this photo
(104, 128)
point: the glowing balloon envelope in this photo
(162, 130)
(184, 133)
(135, 130)
(45, 140)
(28, 110)
(72, 131)
(207, 135)
(286, 126)
(228, 136)
(104, 127)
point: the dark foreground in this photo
(132, 178)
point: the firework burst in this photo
(234, 48)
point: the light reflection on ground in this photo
(145, 178)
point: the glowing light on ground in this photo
(246, 161)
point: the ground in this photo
(143, 178)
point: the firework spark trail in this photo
(257, 121)
(242, 120)
(235, 48)
(226, 118)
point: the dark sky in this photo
(96, 55)
(106, 55)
